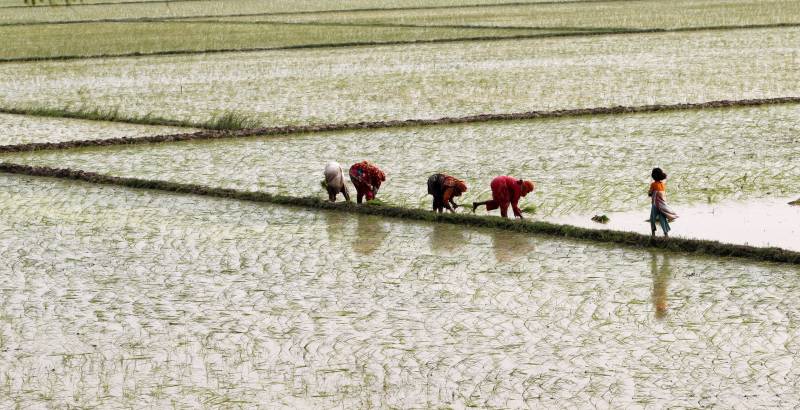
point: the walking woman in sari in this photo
(444, 188)
(506, 191)
(660, 212)
(367, 178)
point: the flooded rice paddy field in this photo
(568, 15)
(122, 297)
(92, 39)
(161, 9)
(582, 165)
(423, 81)
(24, 129)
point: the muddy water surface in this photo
(118, 298)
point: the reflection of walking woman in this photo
(661, 278)
(659, 210)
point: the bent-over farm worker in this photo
(367, 178)
(444, 188)
(334, 181)
(506, 191)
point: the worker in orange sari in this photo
(444, 188)
(506, 191)
(367, 178)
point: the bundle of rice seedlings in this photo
(529, 209)
(603, 219)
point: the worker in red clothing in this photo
(367, 178)
(506, 190)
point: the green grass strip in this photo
(395, 43)
(694, 246)
(233, 125)
(228, 120)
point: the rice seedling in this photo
(796, 202)
(530, 209)
(603, 219)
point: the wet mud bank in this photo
(695, 246)
(305, 129)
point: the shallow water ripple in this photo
(114, 297)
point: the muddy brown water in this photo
(115, 298)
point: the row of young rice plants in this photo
(112, 39)
(159, 9)
(574, 15)
(422, 81)
(581, 165)
(107, 302)
(24, 129)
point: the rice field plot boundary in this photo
(694, 246)
(567, 34)
(217, 133)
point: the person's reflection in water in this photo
(447, 238)
(336, 222)
(370, 234)
(509, 246)
(661, 277)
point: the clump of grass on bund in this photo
(232, 120)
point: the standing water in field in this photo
(298, 315)
(758, 222)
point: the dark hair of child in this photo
(658, 174)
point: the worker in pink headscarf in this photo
(506, 191)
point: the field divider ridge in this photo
(629, 239)
(211, 134)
